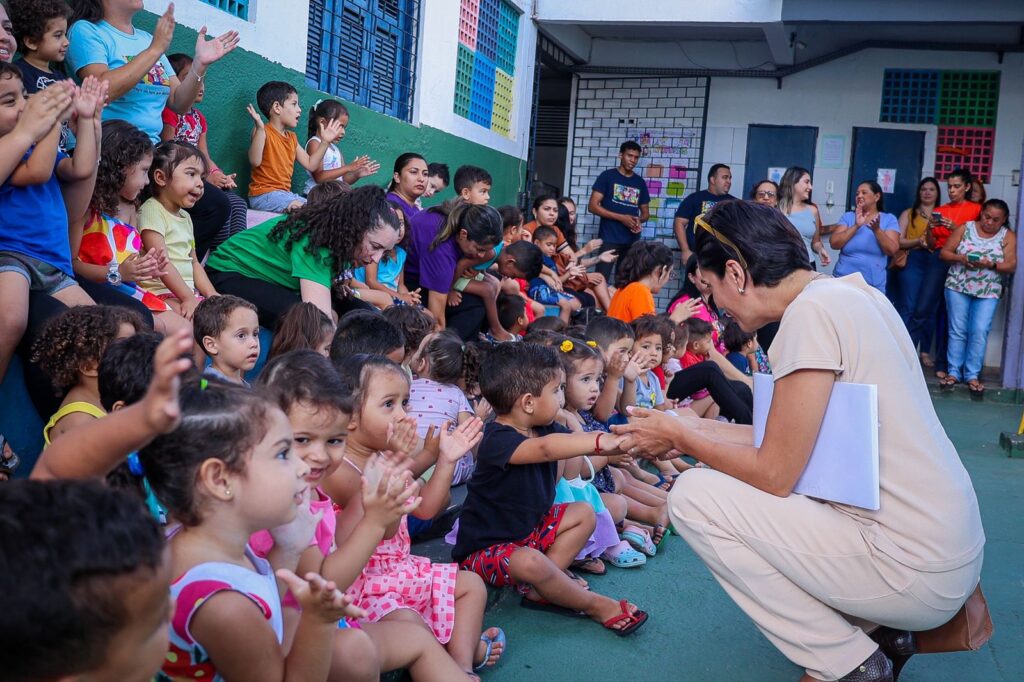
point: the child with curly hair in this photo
(299, 257)
(41, 28)
(69, 350)
(105, 238)
(415, 323)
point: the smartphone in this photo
(973, 257)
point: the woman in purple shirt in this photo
(408, 182)
(440, 237)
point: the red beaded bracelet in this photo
(597, 444)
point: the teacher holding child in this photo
(836, 588)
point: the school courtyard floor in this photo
(696, 633)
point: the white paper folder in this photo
(843, 466)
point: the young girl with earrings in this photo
(334, 168)
(396, 585)
(176, 184)
(445, 367)
(584, 367)
(318, 403)
(106, 240)
(226, 472)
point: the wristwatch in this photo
(113, 275)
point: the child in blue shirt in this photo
(39, 192)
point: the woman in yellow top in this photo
(914, 253)
(837, 589)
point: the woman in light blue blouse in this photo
(866, 237)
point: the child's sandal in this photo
(639, 540)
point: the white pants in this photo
(805, 574)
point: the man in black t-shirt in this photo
(698, 203)
(620, 199)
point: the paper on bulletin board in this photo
(887, 179)
(833, 150)
(775, 174)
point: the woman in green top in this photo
(298, 257)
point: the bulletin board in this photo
(670, 165)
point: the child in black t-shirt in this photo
(510, 533)
(41, 28)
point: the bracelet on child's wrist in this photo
(597, 444)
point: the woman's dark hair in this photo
(326, 109)
(357, 370)
(218, 421)
(167, 156)
(567, 227)
(753, 190)
(541, 198)
(337, 225)
(450, 360)
(999, 204)
(641, 259)
(481, 223)
(578, 351)
(764, 237)
(69, 552)
(304, 376)
(917, 194)
(876, 189)
(400, 163)
(964, 175)
(123, 146)
(789, 179)
(301, 328)
(88, 10)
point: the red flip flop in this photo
(633, 620)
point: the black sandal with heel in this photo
(898, 645)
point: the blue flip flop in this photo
(490, 642)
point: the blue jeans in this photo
(276, 201)
(970, 319)
(925, 309)
(911, 278)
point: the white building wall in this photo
(608, 111)
(277, 30)
(845, 93)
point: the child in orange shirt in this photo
(274, 148)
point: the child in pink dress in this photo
(394, 584)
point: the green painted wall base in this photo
(232, 84)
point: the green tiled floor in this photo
(696, 633)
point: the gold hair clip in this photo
(592, 344)
(721, 239)
(566, 346)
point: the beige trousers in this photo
(804, 573)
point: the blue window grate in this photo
(364, 51)
(910, 96)
(236, 8)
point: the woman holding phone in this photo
(930, 312)
(981, 254)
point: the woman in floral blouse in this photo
(981, 253)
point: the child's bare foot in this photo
(489, 649)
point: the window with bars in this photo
(364, 51)
(236, 8)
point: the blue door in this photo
(887, 149)
(771, 146)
